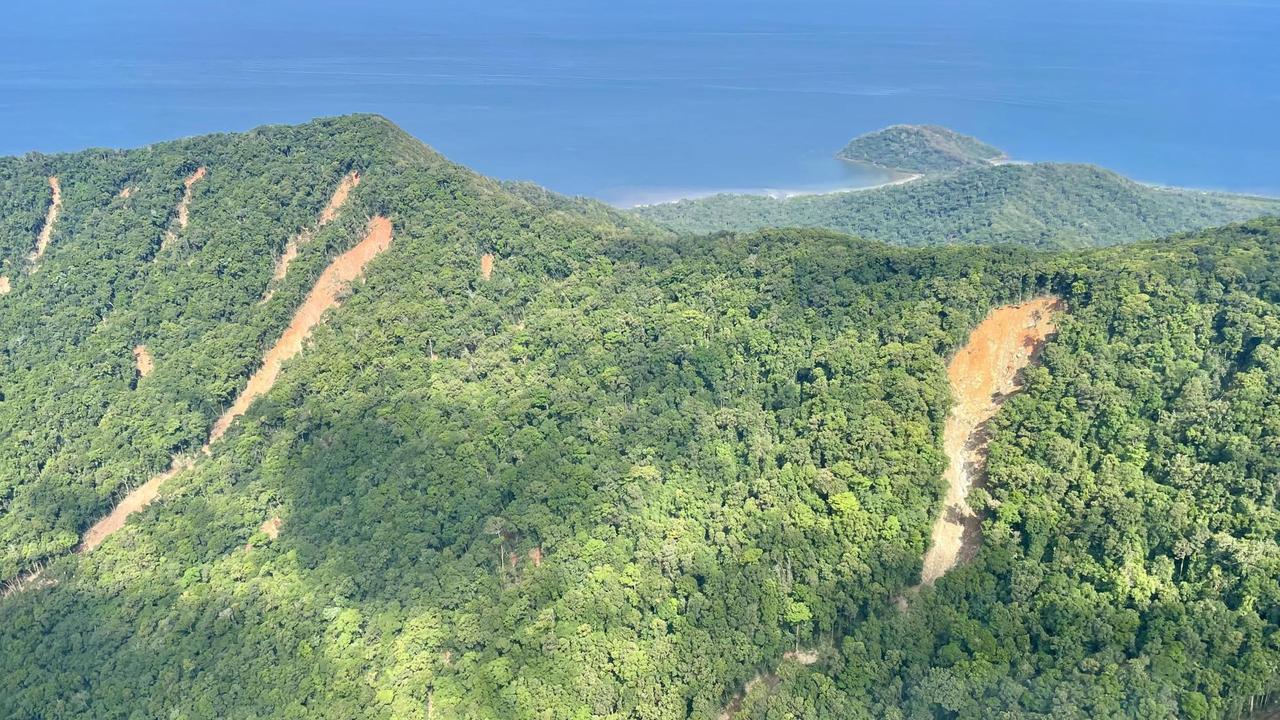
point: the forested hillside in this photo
(549, 461)
(1131, 565)
(78, 422)
(925, 149)
(1044, 205)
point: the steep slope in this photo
(79, 425)
(1129, 560)
(1042, 205)
(983, 374)
(920, 149)
(627, 473)
(339, 198)
(46, 229)
(322, 298)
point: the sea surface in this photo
(648, 101)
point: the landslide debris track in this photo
(347, 184)
(46, 230)
(983, 374)
(324, 296)
(143, 361)
(184, 207)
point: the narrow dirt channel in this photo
(324, 296)
(135, 500)
(46, 230)
(983, 374)
(184, 207)
(327, 215)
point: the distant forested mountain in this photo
(548, 460)
(1047, 205)
(923, 149)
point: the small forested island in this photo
(312, 422)
(959, 195)
(920, 149)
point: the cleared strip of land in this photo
(327, 215)
(184, 207)
(46, 230)
(983, 374)
(324, 296)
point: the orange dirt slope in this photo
(983, 374)
(46, 230)
(323, 296)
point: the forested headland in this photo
(923, 149)
(1044, 205)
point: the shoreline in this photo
(776, 194)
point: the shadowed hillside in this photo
(546, 460)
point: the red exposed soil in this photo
(184, 206)
(323, 296)
(271, 527)
(486, 266)
(143, 361)
(327, 215)
(983, 374)
(46, 230)
(345, 186)
(132, 503)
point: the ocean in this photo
(658, 100)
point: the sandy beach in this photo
(675, 196)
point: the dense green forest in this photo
(1047, 205)
(925, 149)
(77, 424)
(623, 475)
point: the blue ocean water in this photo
(648, 100)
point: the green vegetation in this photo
(78, 426)
(1131, 564)
(924, 149)
(625, 474)
(1043, 205)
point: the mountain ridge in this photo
(547, 460)
(1051, 205)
